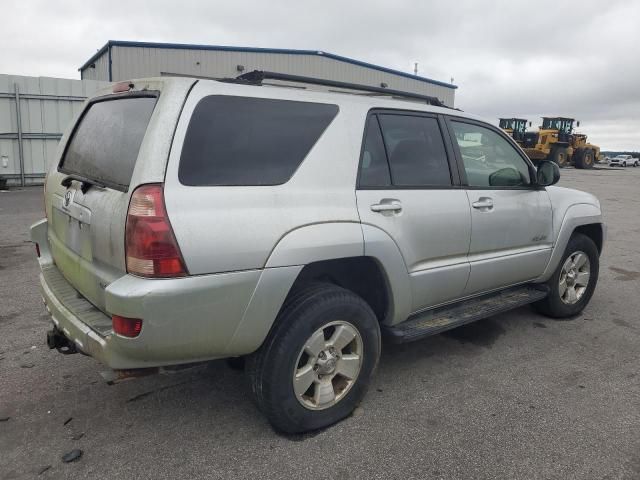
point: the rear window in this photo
(104, 146)
(249, 141)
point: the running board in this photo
(437, 320)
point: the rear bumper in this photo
(184, 319)
(85, 338)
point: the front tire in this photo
(572, 284)
(316, 363)
(560, 157)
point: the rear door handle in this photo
(483, 203)
(386, 207)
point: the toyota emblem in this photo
(67, 199)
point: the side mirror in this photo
(506, 177)
(529, 123)
(578, 123)
(548, 173)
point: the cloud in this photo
(574, 58)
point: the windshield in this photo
(520, 125)
(564, 125)
(105, 144)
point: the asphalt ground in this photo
(514, 396)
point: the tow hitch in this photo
(57, 340)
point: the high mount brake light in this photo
(122, 87)
(151, 247)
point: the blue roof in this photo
(318, 53)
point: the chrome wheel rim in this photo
(328, 365)
(574, 277)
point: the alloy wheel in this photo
(574, 277)
(328, 365)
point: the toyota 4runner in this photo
(189, 220)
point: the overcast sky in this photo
(509, 58)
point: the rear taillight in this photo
(151, 247)
(127, 327)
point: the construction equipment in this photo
(556, 141)
(515, 127)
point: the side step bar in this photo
(438, 320)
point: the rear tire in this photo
(559, 156)
(559, 303)
(584, 159)
(305, 346)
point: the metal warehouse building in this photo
(122, 60)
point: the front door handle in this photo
(483, 203)
(386, 207)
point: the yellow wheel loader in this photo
(556, 141)
(515, 127)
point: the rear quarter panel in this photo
(227, 228)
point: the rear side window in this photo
(249, 141)
(417, 156)
(105, 144)
(374, 169)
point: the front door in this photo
(406, 188)
(511, 218)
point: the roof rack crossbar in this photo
(257, 77)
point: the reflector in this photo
(127, 327)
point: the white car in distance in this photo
(623, 161)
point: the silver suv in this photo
(190, 220)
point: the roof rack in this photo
(256, 77)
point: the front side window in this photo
(489, 159)
(417, 156)
(249, 141)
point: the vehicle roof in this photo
(371, 100)
(311, 94)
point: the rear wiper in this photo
(85, 183)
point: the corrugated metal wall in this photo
(135, 62)
(100, 70)
(46, 108)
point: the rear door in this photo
(118, 142)
(511, 218)
(407, 188)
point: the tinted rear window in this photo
(417, 156)
(105, 144)
(374, 169)
(250, 141)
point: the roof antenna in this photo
(415, 68)
(452, 80)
